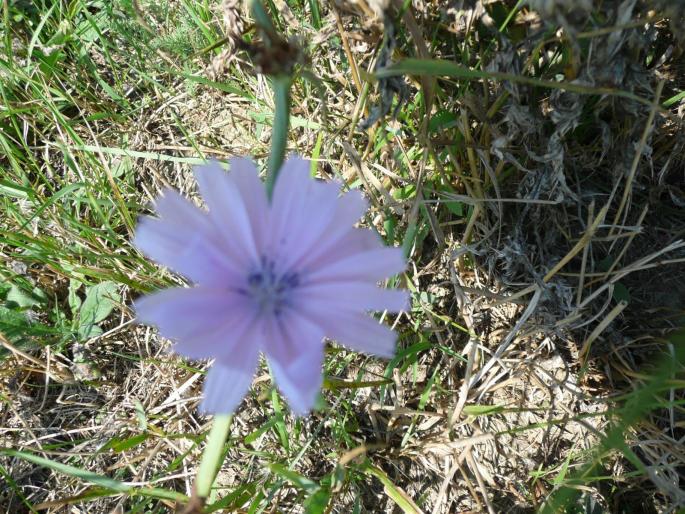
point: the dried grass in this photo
(531, 336)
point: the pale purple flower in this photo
(273, 277)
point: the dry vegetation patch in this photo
(544, 228)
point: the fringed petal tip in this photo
(301, 393)
(226, 386)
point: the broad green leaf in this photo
(99, 303)
(73, 298)
(12, 318)
(442, 120)
(25, 299)
(141, 416)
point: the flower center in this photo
(269, 289)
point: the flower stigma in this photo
(271, 291)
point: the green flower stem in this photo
(279, 130)
(260, 16)
(211, 458)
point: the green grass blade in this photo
(93, 478)
(443, 68)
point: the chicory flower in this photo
(268, 277)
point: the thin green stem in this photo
(8, 34)
(211, 458)
(444, 68)
(279, 131)
(261, 17)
